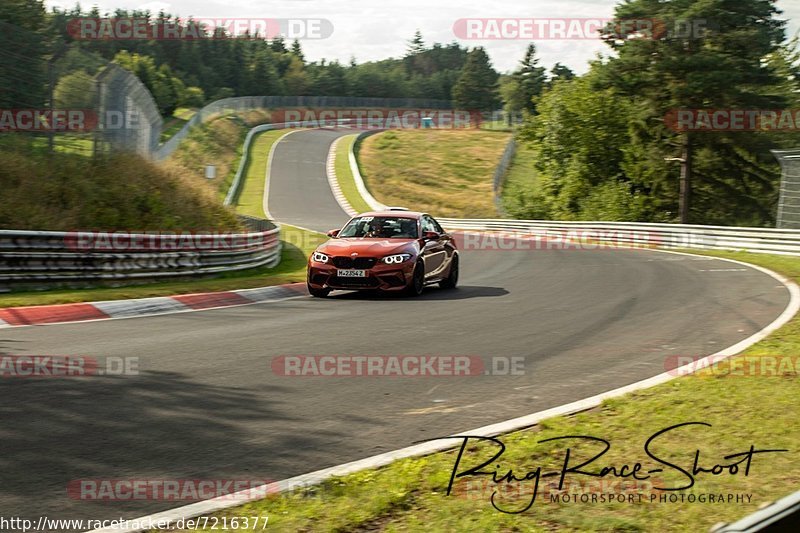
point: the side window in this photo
(427, 224)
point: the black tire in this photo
(451, 280)
(318, 293)
(417, 284)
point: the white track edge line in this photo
(268, 172)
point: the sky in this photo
(373, 29)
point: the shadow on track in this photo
(464, 292)
(151, 426)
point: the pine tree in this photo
(476, 88)
(721, 67)
(530, 78)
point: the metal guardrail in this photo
(42, 259)
(777, 517)
(642, 234)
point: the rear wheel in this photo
(417, 284)
(318, 293)
(451, 280)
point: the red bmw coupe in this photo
(393, 250)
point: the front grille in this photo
(358, 262)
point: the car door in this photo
(447, 241)
(434, 254)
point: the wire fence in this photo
(57, 97)
(249, 103)
(789, 201)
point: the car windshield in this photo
(381, 228)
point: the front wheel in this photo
(451, 280)
(318, 293)
(417, 284)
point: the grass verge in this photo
(409, 495)
(344, 174)
(520, 193)
(298, 244)
(173, 124)
(447, 173)
(218, 142)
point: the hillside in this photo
(65, 192)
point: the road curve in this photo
(207, 404)
(299, 192)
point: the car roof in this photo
(397, 214)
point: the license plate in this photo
(351, 273)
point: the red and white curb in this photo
(116, 309)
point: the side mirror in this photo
(333, 233)
(430, 236)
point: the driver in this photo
(375, 230)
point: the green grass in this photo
(173, 124)
(251, 197)
(521, 172)
(495, 125)
(447, 173)
(520, 193)
(344, 174)
(298, 244)
(81, 144)
(409, 495)
(219, 142)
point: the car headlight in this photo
(319, 257)
(396, 259)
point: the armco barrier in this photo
(759, 240)
(40, 259)
(638, 234)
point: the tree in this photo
(476, 88)
(530, 78)
(579, 138)
(75, 91)
(278, 44)
(296, 79)
(512, 96)
(23, 50)
(297, 50)
(723, 67)
(416, 45)
(560, 72)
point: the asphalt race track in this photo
(207, 404)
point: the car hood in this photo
(366, 247)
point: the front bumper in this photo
(380, 277)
